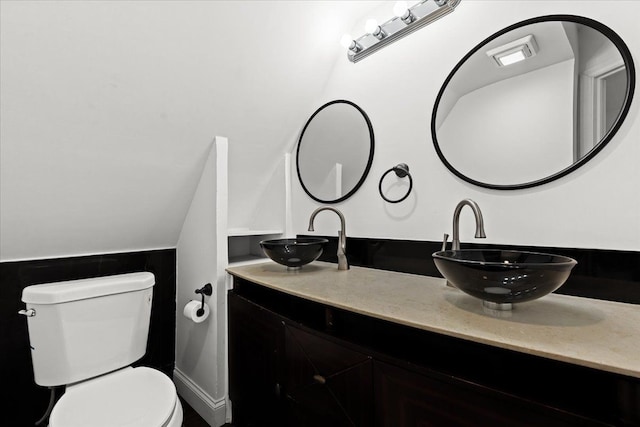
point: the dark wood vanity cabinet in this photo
(297, 363)
(407, 398)
(255, 340)
(282, 375)
(325, 384)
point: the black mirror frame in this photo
(631, 82)
(369, 161)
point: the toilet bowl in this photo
(131, 397)
(85, 334)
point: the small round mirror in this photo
(335, 151)
(533, 102)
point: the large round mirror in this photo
(335, 151)
(533, 102)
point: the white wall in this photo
(108, 108)
(104, 131)
(595, 207)
(200, 375)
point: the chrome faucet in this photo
(455, 245)
(342, 236)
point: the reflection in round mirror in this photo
(335, 151)
(533, 102)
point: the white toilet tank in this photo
(84, 328)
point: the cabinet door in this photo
(255, 336)
(326, 384)
(405, 398)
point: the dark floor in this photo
(191, 417)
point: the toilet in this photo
(85, 334)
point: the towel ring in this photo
(401, 170)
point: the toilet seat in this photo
(130, 397)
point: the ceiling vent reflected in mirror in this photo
(514, 52)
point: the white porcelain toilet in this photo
(84, 334)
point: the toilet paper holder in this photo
(205, 290)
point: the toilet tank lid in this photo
(73, 290)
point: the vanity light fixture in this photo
(515, 51)
(407, 20)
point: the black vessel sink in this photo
(502, 277)
(294, 253)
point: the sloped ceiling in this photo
(108, 110)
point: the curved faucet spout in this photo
(455, 245)
(343, 264)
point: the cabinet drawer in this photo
(405, 398)
(326, 384)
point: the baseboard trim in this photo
(213, 411)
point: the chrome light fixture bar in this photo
(406, 21)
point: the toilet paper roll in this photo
(191, 311)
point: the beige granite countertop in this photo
(594, 333)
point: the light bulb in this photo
(346, 41)
(371, 26)
(400, 8)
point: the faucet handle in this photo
(444, 242)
